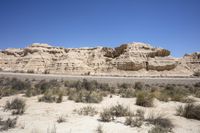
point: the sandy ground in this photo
(42, 117)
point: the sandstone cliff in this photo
(133, 59)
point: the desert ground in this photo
(43, 117)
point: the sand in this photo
(42, 117)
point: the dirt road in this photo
(104, 79)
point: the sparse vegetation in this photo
(160, 121)
(30, 71)
(119, 111)
(99, 129)
(115, 111)
(158, 129)
(61, 119)
(135, 120)
(85, 96)
(49, 98)
(106, 115)
(17, 106)
(197, 74)
(139, 85)
(88, 110)
(144, 99)
(190, 111)
(60, 98)
(7, 124)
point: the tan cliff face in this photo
(132, 59)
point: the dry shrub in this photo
(61, 119)
(7, 124)
(144, 99)
(88, 110)
(106, 115)
(189, 111)
(160, 121)
(17, 106)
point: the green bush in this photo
(17, 106)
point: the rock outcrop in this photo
(133, 59)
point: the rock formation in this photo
(132, 59)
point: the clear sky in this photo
(170, 24)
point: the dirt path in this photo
(105, 79)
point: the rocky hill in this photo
(132, 59)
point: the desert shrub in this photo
(47, 97)
(140, 114)
(197, 74)
(197, 94)
(161, 95)
(87, 85)
(158, 129)
(175, 93)
(60, 98)
(133, 122)
(17, 105)
(46, 72)
(7, 124)
(124, 86)
(115, 111)
(119, 110)
(88, 110)
(7, 92)
(128, 120)
(139, 85)
(128, 93)
(85, 96)
(61, 119)
(106, 115)
(32, 92)
(160, 121)
(197, 84)
(189, 111)
(188, 100)
(99, 129)
(44, 86)
(19, 85)
(30, 71)
(144, 99)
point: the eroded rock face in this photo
(130, 59)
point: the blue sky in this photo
(171, 24)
